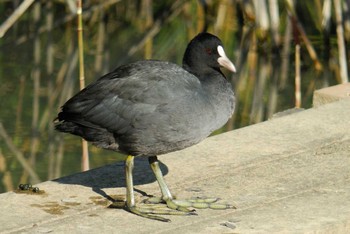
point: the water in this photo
(39, 73)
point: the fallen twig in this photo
(14, 17)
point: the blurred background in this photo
(283, 51)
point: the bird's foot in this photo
(152, 211)
(155, 207)
(197, 203)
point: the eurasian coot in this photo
(154, 107)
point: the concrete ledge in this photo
(289, 174)
(331, 94)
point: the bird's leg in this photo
(144, 210)
(182, 205)
(173, 206)
(129, 166)
(166, 195)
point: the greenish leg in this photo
(166, 195)
(144, 210)
(173, 206)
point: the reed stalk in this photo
(347, 20)
(100, 43)
(36, 75)
(297, 77)
(299, 27)
(341, 42)
(85, 151)
(326, 26)
(275, 21)
(6, 173)
(148, 17)
(285, 54)
(19, 155)
(50, 81)
(14, 17)
(262, 19)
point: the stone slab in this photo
(290, 174)
(331, 94)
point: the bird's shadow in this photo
(113, 176)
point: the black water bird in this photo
(150, 107)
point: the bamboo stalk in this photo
(100, 42)
(148, 16)
(6, 174)
(301, 31)
(341, 42)
(262, 19)
(275, 61)
(297, 77)
(326, 25)
(347, 20)
(275, 22)
(326, 15)
(36, 74)
(297, 33)
(285, 54)
(85, 152)
(50, 98)
(80, 44)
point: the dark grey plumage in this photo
(153, 107)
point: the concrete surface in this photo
(331, 94)
(287, 175)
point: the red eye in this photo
(209, 51)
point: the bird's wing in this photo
(121, 98)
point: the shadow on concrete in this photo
(113, 176)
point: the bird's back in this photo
(144, 108)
